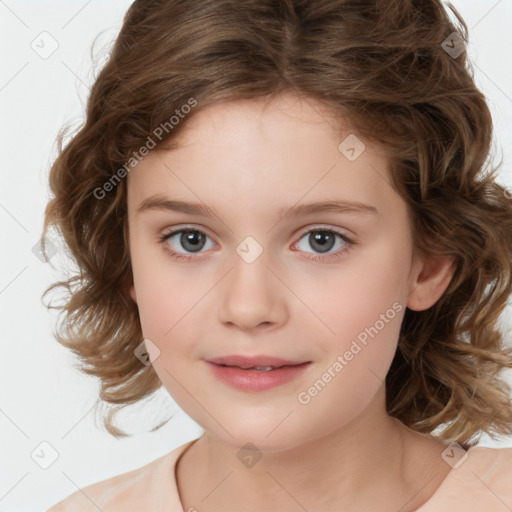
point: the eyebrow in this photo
(159, 202)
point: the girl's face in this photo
(249, 280)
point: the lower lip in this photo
(254, 380)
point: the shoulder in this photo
(144, 488)
(482, 481)
(492, 466)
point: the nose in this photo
(252, 296)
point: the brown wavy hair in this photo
(380, 64)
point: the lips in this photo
(261, 362)
(253, 378)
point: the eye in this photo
(323, 240)
(192, 240)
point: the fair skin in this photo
(341, 450)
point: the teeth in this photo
(257, 368)
(263, 368)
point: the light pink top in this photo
(482, 483)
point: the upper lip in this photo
(252, 361)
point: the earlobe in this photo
(430, 280)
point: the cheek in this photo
(362, 307)
(170, 316)
(364, 311)
(358, 292)
(164, 290)
(168, 307)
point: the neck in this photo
(356, 467)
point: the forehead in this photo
(266, 115)
(269, 152)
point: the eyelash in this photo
(316, 257)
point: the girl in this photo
(282, 212)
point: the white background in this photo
(42, 396)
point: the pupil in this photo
(321, 239)
(192, 240)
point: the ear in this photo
(430, 276)
(133, 295)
